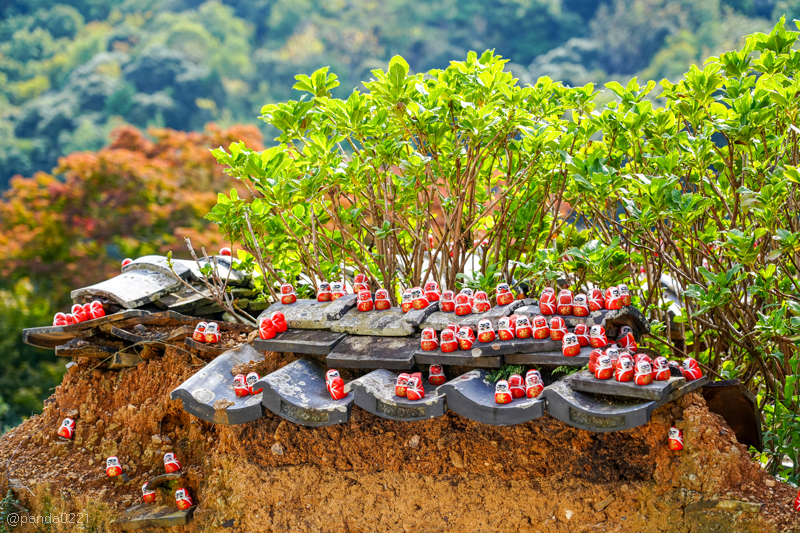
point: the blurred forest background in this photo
(80, 80)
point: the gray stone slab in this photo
(584, 411)
(130, 289)
(304, 313)
(121, 360)
(388, 323)
(375, 393)
(297, 393)
(213, 384)
(146, 516)
(586, 382)
(158, 263)
(549, 358)
(339, 307)
(458, 358)
(393, 353)
(439, 319)
(185, 300)
(472, 396)
(313, 342)
(163, 479)
(52, 336)
(610, 320)
(84, 348)
(415, 317)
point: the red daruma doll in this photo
(503, 294)
(481, 303)
(565, 302)
(449, 343)
(502, 392)
(382, 302)
(405, 305)
(661, 369)
(515, 386)
(533, 384)
(266, 329)
(523, 327)
(485, 331)
(797, 502)
(570, 346)
(540, 328)
(240, 386)
(624, 294)
(597, 337)
(429, 341)
(360, 283)
(335, 384)
(463, 307)
(418, 300)
(675, 439)
(593, 357)
(691, 370)
(613, 299)
(415, 390)
(148, 496)
(79, 313)
(60, 319)
(466, 338)
(580, 305)
(200, 332)
(447, 303)
(171, 463)
(436, 375)
(603, 368)
(624, 370)
(432, 291)
(288, 295)
(337, 290)
(626, 339)
(558, 328)
(582, 332)
(365, 301)
(183, 499)
(324, 293)
(596, 300)
(279, 321)
(96, 310)
(67, 429)
(505, 331)
(401, 385)
(212, 333)
(644, 372)
(113, 468)
(547, 302)
(251, 379)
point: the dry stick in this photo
(260, 258)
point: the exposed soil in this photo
(373, 474)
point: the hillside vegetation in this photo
(72, 70)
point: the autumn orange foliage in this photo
(141, 194)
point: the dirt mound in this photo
(374, 474)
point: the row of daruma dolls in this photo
(455, 337)
(80, 313)
(640, 368)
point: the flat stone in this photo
(585, 381)
(375, 393)
(210, 350)
(555, 358)
(52, 336)
(84, 348)
(185, 300)
(610, 320)
(303, 314)
(393, 353)
(130, 289)
(472, 358)
(439, 319)
(415, 317)
(214, 382)
(388, 323)
(725, 505)
(297, 393)
(472, 396)
(147, 515)
(339, 307)
(122, 360)
(158, 263)
(583, 411)
(163, 479)
(314, 342)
